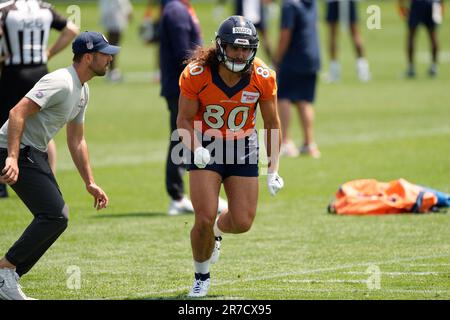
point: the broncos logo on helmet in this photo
(239, 32)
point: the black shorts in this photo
(15, 82)
(297, 87)
(231, 157)
(333, 12)
(421, 12)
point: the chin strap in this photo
(229, 63)
(235, 67)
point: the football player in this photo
(221, 88)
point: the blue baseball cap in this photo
(91, 41)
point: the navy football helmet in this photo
(236, 31)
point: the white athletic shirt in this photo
(114, 14)
(62, 99)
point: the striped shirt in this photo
(26, 27)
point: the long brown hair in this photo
(208, 57)
(203, 56)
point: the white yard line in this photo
(381, 136)
(429, 265)
(288, 274)
(403, 273)
(425, 57)
(348, 290)
(323, 281)
(147, 153)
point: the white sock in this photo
(201, 267)
(217, 231)
(362, 61)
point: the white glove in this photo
(274, 183)
(201, 157)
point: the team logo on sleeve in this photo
(82, 103)
(249, 97)
(39, 95)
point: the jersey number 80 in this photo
(216, 112)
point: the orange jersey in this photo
(231, 110)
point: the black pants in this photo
(114, 39)
(174, 172)
(15, 82)
(39, 191)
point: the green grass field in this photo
(386, 129)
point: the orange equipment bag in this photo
(369, 196)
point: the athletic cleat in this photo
(334, 72)
(10, 288)
(410, 73)
(432, 72)
(181, 206)
(289, 150)
(310, 150)
(200, 287)
(363, 70)
(223, 205)
(216, 251)
(114, 76)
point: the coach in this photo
(59, 98)
(26, 26)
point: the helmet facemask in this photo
(230, 63)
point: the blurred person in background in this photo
(428, 13)
(345, 12)
(149, 28)
(298, 61)
(25, 52)
(179, 35)
(257, 12)
(149, 33)
(115, 17)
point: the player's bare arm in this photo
(272, 127)
(187, 109)
(17, 117)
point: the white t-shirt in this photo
(251, 9)
(115, 13)
(62, 99)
